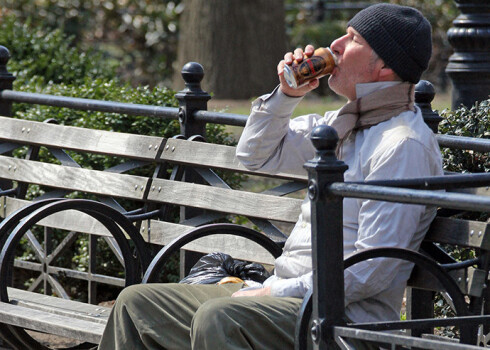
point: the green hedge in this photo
(469, 122)
(139, 35)
(48, 55)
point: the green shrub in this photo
(48, 62)
(50, 55)
(473, 122)
(139, 35)
(468, 122)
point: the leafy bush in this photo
(473, 122)
(139, 35)
(469, 122)
(50, 55)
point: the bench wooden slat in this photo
(456, 232)
(59, 306)
(80, 139)
(237, 247)
(161, 232)
(166, 191)
(471, 281)
(225, 200)
(75, 179)
(70, 220)
(212, 156)
(51, 323)
(467, 233)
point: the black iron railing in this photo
(326, 191)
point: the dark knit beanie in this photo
(400, 35)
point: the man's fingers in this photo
(298, 54)
(288, 58)
(280, 67)
(309, 50)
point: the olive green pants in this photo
(182, 316)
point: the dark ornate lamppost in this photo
(469, 66)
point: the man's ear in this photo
(387, 74)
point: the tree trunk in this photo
(239, 43)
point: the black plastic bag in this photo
(213, 267)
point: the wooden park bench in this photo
(217, 201)
(114, 204)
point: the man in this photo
(384, 52)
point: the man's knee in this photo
(240, 323)
(215, 322)
(209, 315)
(132, 297)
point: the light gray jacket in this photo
(402, 147)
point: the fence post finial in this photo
(192, 99)
(424, 94)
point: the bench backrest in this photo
(137, 151)
(216, 201)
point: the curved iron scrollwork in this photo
(13, 228)
(422, 261)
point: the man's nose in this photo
(337, 45)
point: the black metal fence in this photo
(326, 190)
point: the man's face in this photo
(357, 63)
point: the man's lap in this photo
(212, 315)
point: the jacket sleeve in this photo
(291, 287)
(386, 224)
(271, 141)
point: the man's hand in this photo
(253, 292)
(298, 55)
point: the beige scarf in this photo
(372, 109)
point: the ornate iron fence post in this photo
(192, 99)
(327, 237)
(469, 66)
(6, 81)
(424, 94)
(419, 302)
